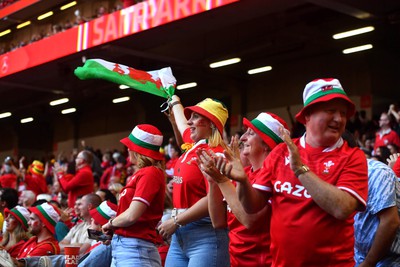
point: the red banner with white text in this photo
(142, 16)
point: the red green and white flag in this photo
(158, 82)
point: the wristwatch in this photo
(303, 169)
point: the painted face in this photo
(200, 127)
(12, 223)
(34, 223)
(326, 122)
(253, 145)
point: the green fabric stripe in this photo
(143, 144)
(95, 70)
(19, 214)
(266, 130)
(46, 215)
(102, 213)
(323, 93)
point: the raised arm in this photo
(177, 109)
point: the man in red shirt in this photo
(385, 135)
(82, 183)
(315, 184)
(42, 221)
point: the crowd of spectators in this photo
(58, 25)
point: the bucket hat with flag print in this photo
(146, 140)
(323, 90)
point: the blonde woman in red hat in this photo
(141, 202)
(248, 233)
(16, 233)
(316, 184)
(195, 242)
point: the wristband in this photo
(173, 103)
(176, 222)
(303, 169)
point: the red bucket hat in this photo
(213, 110)
(20, 213)
(145, 139)
(104, 212)
(324, 90)
(48, 215)
(267, 125)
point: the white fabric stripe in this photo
(262, 187)
(107, 210)
(146, 137)
(141, 200)
(270, 122)
(352, 192)
(338, 144)
(51, 212)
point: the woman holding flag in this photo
(195, 242)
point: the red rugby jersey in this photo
(302, 234)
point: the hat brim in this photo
(49, 226)
(268, 140)
(301, 116)
(97, 217)
(189, 110)
(7, 211)
(141, 150)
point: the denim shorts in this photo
(198, 244)
(131, 252)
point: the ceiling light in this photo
(225, 62)
(123, 86)
(59, 101)
(357, 49)
(353, 32)
(5, 32)
(26, 120)
(68, 110)
(5, 115)
(186, 86)
(68, 5)
(259, 70)
(45, 15)
(26, 23)
(121, 99)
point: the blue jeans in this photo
(130, 252)
(100, 256)
(198, 244)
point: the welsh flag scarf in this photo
(158, 82)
